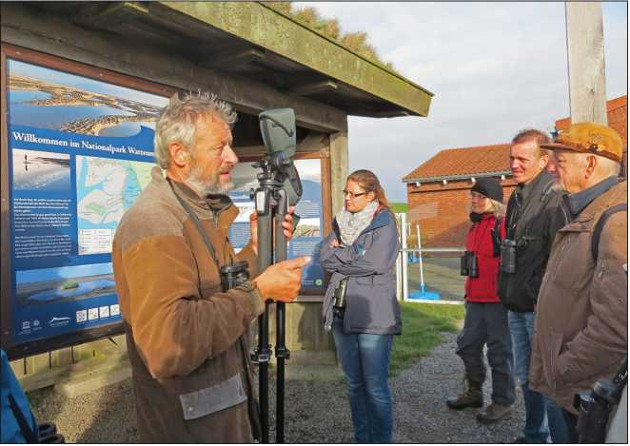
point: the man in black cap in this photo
(486, 320)
(531, 222)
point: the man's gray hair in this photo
(610, 166)
(179, 118)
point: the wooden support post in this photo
(338, 168)
(585, 49)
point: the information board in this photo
(308, 235)
(80, 151)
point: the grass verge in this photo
(422, 325)
(398, 207)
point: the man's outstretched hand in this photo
(281, 281)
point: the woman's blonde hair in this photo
(369, 183)
(496, 208)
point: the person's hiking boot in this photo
(471, 397)
(493, 413)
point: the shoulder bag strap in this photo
(599, 226)
(29, 435)
(195, 219)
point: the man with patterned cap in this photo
(582, 321)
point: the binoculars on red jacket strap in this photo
(468, 265)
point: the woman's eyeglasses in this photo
(353, 195)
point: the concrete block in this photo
(86, 384)
(88, 376)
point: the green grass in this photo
(422, 324)
(398, 207)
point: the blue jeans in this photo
(562, 424)
(365, 362)
(522, 331)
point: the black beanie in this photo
(490, 188)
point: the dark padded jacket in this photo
(371, 305)
(532, 220)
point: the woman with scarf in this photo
(360, 306)
(486, 317)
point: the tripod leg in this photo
(263, 352)
(282, 353)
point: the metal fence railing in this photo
(427, 274)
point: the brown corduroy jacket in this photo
(581, 330)
(186, 338)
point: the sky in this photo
(495, 68)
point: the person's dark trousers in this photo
(486, 323)
(562, 424)
(522, 330)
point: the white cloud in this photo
(495, 68)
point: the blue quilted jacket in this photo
(371, 305)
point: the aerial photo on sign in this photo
(68, 108)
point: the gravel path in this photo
(316, 411)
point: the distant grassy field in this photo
(422, 324)
(399, 207)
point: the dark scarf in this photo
(476, 217)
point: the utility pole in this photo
(585, 49)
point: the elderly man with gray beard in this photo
(582, 319)
(186, 337)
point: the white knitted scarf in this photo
(351, 224)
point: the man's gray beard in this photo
(204, 189)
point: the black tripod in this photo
(279, 186)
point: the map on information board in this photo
(106, 188)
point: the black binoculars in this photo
(234, 275)
(508, 256)
(594, 409)
(468, 265)
(339, 298)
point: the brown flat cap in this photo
(589, 137)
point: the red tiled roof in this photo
(494, 158)
(464, 161)
(617, 111)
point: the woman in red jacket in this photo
(486, 320)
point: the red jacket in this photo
(483, 288)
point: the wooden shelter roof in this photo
(254, 41)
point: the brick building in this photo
(438, 191)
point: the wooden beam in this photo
(585, 49)
(314, 143)
(391, 114)
(112, 14)
(246, 56)
(315, 87)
